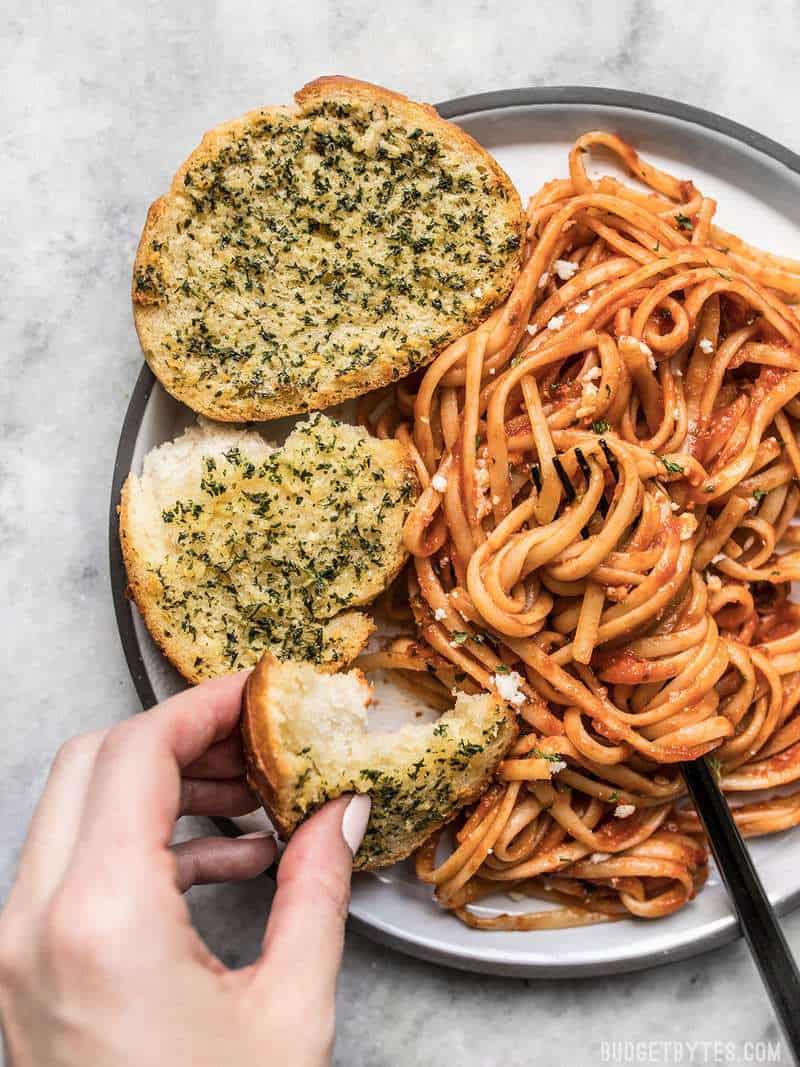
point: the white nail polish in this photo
(355, 819)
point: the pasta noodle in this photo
(610, 470)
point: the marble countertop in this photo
(101, 102)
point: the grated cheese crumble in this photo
(565, 269)
(508, 686)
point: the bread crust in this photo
(147, 307)
(270, 776)
(264, 760)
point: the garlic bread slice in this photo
(306, 255)
(235, 547)
(306, 741)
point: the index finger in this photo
(133, 797)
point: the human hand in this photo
(99, 961)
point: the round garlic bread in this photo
(307, 255)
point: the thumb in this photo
(305, 934)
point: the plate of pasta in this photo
(605, 537)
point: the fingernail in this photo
(256, 834)
(355, 819)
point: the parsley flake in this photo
(672, 467)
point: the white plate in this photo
(757, 185)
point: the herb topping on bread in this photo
(235, 547)
(303, 256)
(306, 742)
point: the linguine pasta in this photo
(610, 470)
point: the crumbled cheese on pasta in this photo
(588, 396)
(706, 346)
(588, 402)
(719, 557)
(439, 614)
(543, 280)
(687, 524)
(481, 487)
(565, 269)
(439, 483)
(580, 308)
(590, 375)
(558, 765)
(752, 502)
(599, 857)
(532, 328)
(674, 505)
(508, 686)
(645, 349)
(556, 322)
(623, 811)
(477, 292)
